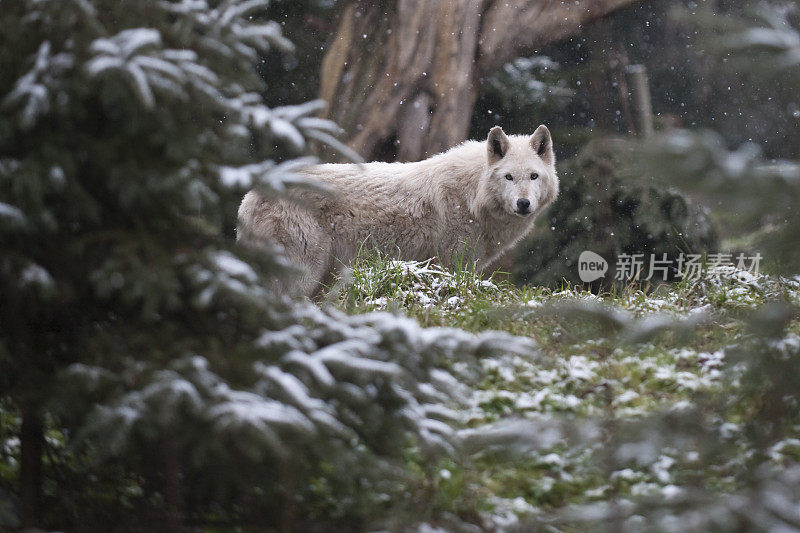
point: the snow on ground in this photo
(575, 377)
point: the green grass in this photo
(476, 302)
(600, 358)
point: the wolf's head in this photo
(521, 171)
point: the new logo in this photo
(591, 266)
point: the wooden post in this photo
(640, 93)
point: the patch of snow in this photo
(233, 266)
(36, 275)
(672, 492)
(14, 214)
(626, 397)
(661, 468)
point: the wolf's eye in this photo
(509, 177)
(534, 175)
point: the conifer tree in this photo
(172, 385)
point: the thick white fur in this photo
(455, 204)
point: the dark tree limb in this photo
(404, 74)
(30, 476)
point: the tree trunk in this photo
(173, 490)
(402, 77)
(30, 476)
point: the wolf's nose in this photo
(523, 204)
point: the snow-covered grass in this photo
(616, 359)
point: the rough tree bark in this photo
(401, 77)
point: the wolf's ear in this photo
(542, 144)
(497, 144)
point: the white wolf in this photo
(474, 201)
